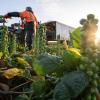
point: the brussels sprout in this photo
(88, 97)
(95, 76)
(90, 56)
(93, 65)
(94, 90)
(96, 21)
(90, 73)
(90, 16)
(82, 67)
(83, 21)
(85, 59)
(94, 83)
(88, 50)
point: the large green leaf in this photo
(72, 85)
(38, 87)
(76, 82)
(61, 92)
(38, 68)
(46, 64)
(76, 37)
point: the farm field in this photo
(51, 72)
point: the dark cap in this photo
(28, 8)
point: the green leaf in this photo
(73, 83)
(70, 60)
(38, 68)
(75, 44)
(38, 87)
(27, 58)
(46, 64)
(76, 37)
(61, 92)
(27, 73)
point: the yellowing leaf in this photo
(65, 45)
(22, 61)
(10, 73)
(1, 54)
(75, 51)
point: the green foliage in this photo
(58, 76)
(46, 64)
(55, 49)
(4, 40)
(39, 42)
(75, 37)
(38, 87)
(27, 73)
(1, 54)
(12, 43)
(42, 38)
(38, 68)
(28, 58)
(71, 86)
(17, 60)
(70, 61)
(36, 42)
(61, 92)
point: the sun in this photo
(97, 37)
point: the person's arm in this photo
(23, 14)
(12, 14)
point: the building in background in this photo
(56, 30)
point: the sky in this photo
(68, 12)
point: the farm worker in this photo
(30, 23)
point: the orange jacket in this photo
(29, 17)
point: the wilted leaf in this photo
(10, 73)
(22, 61)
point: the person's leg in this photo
(29, 35)
(22, 41)
(29, 38)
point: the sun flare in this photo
(97, 37)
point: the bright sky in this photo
(66, 11)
